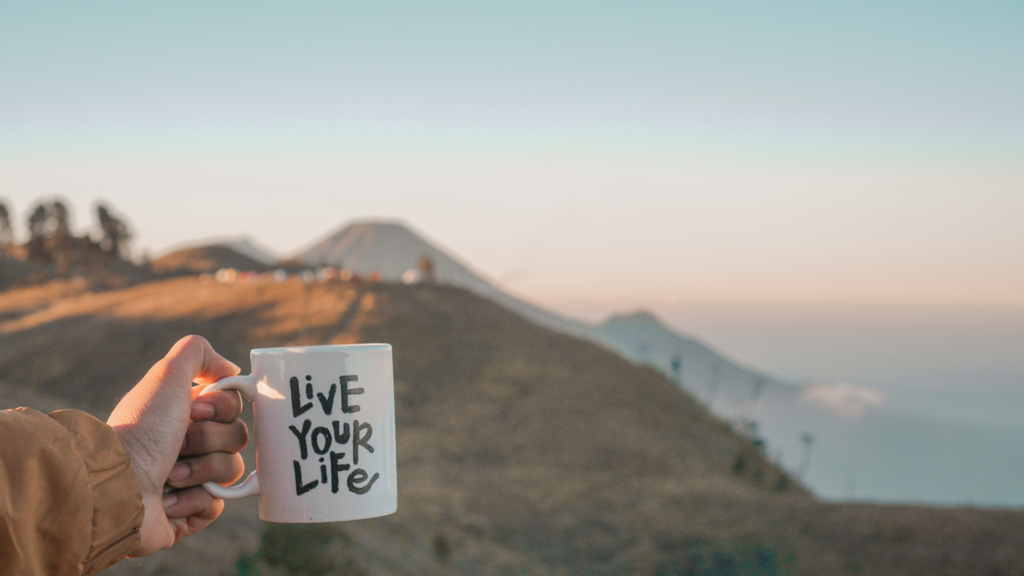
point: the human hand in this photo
(176, 444)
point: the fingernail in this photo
(170, 499)
(202, 411)
(179, 472)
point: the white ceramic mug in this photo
(325, 433)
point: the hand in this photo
(176, 444)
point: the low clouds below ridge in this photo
(843, 399)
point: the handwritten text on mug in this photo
(322, 439)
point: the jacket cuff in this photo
(117, 501)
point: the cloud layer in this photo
(843, 399)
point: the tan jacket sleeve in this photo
(69, 500)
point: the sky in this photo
(765, 161)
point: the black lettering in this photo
(309, 389)
(326, 434)
(297, 408)
(327, 403)
(340, 438)
(359, 440)
(323, 474)
(345, 393)
(299, 488)
(335, 468)
(359, 475)
(302, 436)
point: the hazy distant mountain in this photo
(389, 248)
(728, 388)
(861, 449)
(206, 259)
(249, 247)
(243, 245)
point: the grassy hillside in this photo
(521, 451)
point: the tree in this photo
(713, 386)
(6, 232)
(116, 233)
(49, 227)
(805, 459)
(59, 220)
(37, 234)
(755, 394)
(677, 368)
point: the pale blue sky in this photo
(877, 69)
(727, 151)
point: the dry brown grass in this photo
(522, 450)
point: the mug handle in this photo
(251, 485)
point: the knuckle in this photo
(196, 498)
(235, 402)
(197, 436)
(227, 402)
(188, 349)
(219, 467)
(241, 434)
(237, 468)
(193, 341)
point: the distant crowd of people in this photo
(424, 273)
(307, 276)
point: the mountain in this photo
(726, 387)
(206, 259)
(520, 450)
(257, 256)
(860, 448)
(249, 247)
(389, 248)
(392, 248)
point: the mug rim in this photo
(322, 348)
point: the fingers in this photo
(219, 467)
(208, 436)
(223, 406)
(190, 510)
(193, 359)
(194, 501)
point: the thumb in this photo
(165, 391)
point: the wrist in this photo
(151, 531)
